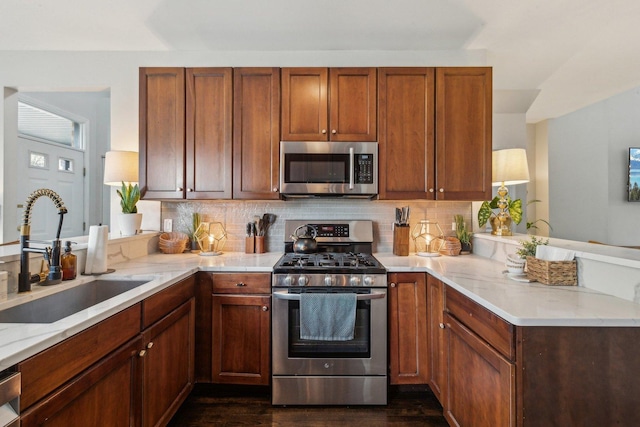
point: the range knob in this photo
(303, 280)
(369, 280)
(354, 281)
(288, 281)
(328, 280)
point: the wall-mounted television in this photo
(634, 174)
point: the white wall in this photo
(118, 71)
(588, 168)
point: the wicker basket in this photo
(173, 243)
(554, 273)
(451, 246)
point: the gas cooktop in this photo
(329, 262)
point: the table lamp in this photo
(509, 167)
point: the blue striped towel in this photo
(327, 316)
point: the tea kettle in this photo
(306, 243)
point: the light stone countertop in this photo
(479, 278)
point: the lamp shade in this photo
(120, 166)
(510, 167)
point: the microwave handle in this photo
(351, 168)
(296, 297)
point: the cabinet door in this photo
(241, 334)
(161, 144)
(480, 382)
(168, 364)
(406, 133)
(352, 104)
(107, 394)
(463, 133)
(304, 104)
(209, 121)
(408, 329)
(435, 333)
(256, 132)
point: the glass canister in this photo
(428, 238)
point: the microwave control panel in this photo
(363, 169)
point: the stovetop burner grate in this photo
(327, 261)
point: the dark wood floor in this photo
(209, 406)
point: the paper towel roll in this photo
(97, 250)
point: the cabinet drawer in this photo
(493, 329)
(242, 283)
(53, 367)
(157, 306)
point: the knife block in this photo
(401, 240)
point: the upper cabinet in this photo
(162, 100)
(185, 133)
(435, 133)
(256, 130)
(335, 104)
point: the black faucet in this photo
(51, 253)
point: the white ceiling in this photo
(550, 57)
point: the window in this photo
(41, 124)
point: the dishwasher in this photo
(10, 386)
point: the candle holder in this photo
(428, 238)
(211, 237)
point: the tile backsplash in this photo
(234, 215)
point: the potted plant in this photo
(486, 213)
(130, 220)
(196, 219)
(463, 234)
(528, 247)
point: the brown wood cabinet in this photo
(436, 337)
(408, 352)
(335, 104)
(463, 133)
(256, 133)
(185, 133)
(162, 135)
(241, 328)
(113, 373)
(435, 133)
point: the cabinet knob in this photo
(142, 353)
(441, 325)
(431, 190)
(441, 190)
(189, 190)
(393, 285)
(150, 344)
(265, 308)
(240, 284)
(275, 189)
(333, 131)
(179, 189)
(324, 131)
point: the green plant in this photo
(486, 210)
(531, 225)
(461, 229)
(196, 219)
(129, 196)
(529, 246)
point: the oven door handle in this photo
(296, 297)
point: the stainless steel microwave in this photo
(328, 169)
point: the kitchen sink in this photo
(62, 304)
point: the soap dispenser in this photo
(69, 262)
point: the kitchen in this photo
(384, 222)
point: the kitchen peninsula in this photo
(554, 353)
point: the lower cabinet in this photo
(408, 358)
(435, 336)
(241, 328)
(132, 369)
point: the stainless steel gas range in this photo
(330, 370)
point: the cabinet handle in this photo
(265, 308)
(333, 131)
(393, 285)
(431, 190)
(142, 353)
(324, 131)
(441, 190)
(150, 344)
(240, 284)
(441, 325)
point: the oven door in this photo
(366, 354)
(321, 168)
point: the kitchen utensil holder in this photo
(259, 245)
(249, 245)
(401, 240)
(554, 273)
